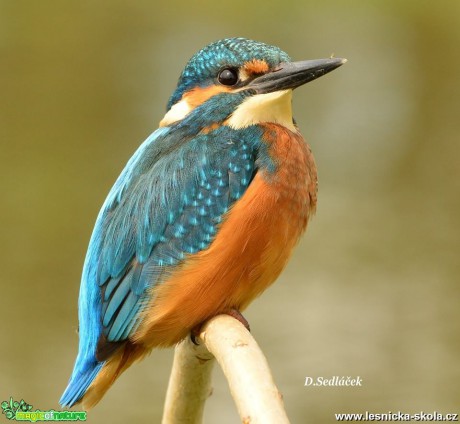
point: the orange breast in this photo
(251, 247)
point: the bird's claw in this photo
(194, 334)
(234, 313)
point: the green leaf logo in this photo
(10, 408)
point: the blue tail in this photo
(78, 384)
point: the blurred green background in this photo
(372, 290)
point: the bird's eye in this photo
(228, 76)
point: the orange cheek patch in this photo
(256, 66)
(198, 95)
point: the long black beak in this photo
(290, 75)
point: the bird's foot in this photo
(233, 312)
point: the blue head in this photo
(227, 73)
(203, 68)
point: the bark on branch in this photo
(251, 384)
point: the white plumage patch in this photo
(178, 112)
(273, 107)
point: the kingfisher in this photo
(205, 214)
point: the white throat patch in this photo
(273, 107)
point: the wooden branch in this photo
(189, 384)
(251, 384)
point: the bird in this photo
(205, 214)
